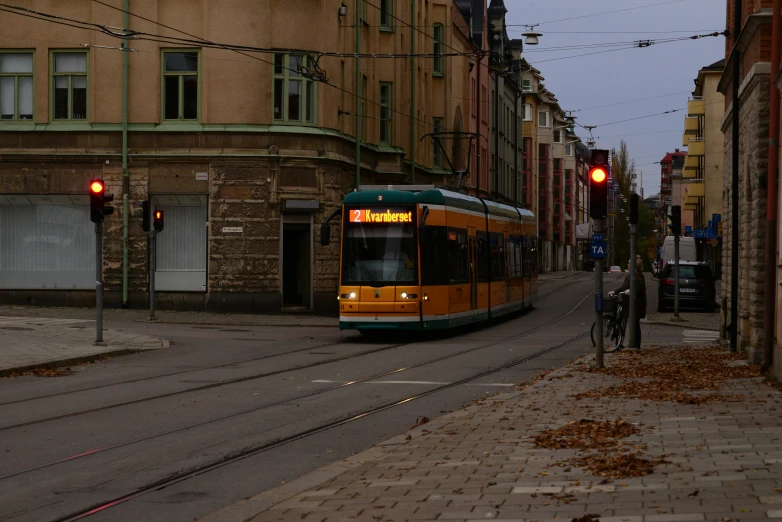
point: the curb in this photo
(6, 372)
(677, 325)
(246, 510)
(253, 325)
(58, 363)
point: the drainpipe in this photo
(734, 194)
(125, 173)
(478, 154)
(772, 193)
(412, 92)
(359, 118)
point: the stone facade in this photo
(753, 164)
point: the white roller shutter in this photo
(181, 247)
(45, 246)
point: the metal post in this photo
(413, 119)
(598, 304)
(125, 173)
(152, 268)
(734, 192)
(359, 116)
(98, 283)
(633, 293)
(676, 276)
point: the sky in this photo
(664, 70)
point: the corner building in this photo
(244, 153)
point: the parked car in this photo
(614, 269)
(696, 287)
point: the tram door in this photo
(473, 253)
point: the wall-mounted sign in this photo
(202, 176)
(380, 216)
(233, 230)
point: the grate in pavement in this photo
(16, 328)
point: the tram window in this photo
(457, 256)
(483, 257)
(534, 255)
(497, 258)
(434, 256)
(515, 247)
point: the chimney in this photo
(677, 150)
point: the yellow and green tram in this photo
(432, 259)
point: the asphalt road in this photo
(277, 403)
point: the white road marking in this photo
(325, 381)
(700, 336)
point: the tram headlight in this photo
(352, 295)
(404, 295)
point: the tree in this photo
(623, 172)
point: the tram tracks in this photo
(321, 391)
(238, 380)
(227, 460)
(233, 363)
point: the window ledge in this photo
(438, 75)
(386, 29)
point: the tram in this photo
(425, 258)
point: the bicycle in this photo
(614, 324)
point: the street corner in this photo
(38, 343)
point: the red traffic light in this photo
(96, 186)
(598, 175)
(158, 214)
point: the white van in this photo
(687, 250)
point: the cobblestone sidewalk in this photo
(722, 458)
(35, 342)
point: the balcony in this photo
(686, 139)
(697, 147)
(696, 106)
(696, 190)
(691, 167)
(691, 126)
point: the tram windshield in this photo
(380, 253)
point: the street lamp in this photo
(531, 36)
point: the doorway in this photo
(296, 265)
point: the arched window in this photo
(439, 35)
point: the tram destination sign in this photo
(380, 216)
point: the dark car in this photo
(696, 287)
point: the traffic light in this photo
(98, 200)
(158, 222)
(634, 209)
(598, 184)
(676, 220)
(141, 213)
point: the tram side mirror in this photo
(325, 233)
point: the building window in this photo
(385, 113)
(295, 97)
(543, 119)
(569, 149)
(526, 85)
(16, 86)
(69, 85)
(180, 85)
(438, 153)
(438, 49)
(557, 136)
(386, 14)
(527, 112)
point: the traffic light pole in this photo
(676, 276)
(99, 283)
(599, 303)
(152, 268)
(633, 342)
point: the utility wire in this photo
(581, 17)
